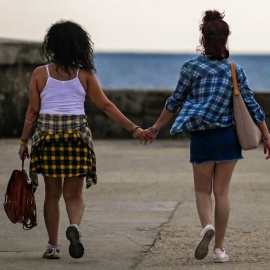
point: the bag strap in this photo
(234, 79)
(22, 164)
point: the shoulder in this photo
(239, 68)
(88, 79)
(39, 78)
(187, 64)
(85, 75)
(240, 71)
(39, 73)
(193, 64)
(40, 70)
(196, 61)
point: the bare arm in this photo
(31, 114)
(99, 98)
(164, 117)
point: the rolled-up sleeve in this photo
(179, 95)
(253, 107)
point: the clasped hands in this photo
(145, 135)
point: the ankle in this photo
(53, 245)
(76, 226)
(208, 225)
(218, 250)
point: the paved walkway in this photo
(142, 213)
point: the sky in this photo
(151, 26)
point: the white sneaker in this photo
(220, 256)
(52, 252)
(201, 249)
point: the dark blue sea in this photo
(161, 71)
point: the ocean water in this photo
(161, 71)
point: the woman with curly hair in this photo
(62, 145)
(204, 92)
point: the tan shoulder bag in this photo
(248, 132)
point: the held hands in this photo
(151, 134)
(147, 134)
(140, 135)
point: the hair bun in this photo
(212, 15)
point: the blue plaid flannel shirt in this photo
(204, 94)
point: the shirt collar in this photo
(203, 58)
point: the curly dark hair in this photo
(215, 32)
(68, 45)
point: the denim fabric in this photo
(217, 145)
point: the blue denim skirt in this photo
(220, 144)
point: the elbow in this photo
(107, 107)
(170, 109)
(34, 112)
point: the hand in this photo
(267, 147)
(151, 135)
(141, 135)
(23, 152)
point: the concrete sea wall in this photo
(18, 60)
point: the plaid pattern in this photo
(62, 146)
(204, 90)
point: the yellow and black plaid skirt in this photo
(62, 147)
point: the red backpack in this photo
(20, 204)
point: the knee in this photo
(220, 193)
(204, 190)
(53, 188)
(53, 194)
(72, 195)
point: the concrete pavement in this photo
(142, 214)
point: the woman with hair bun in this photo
(62, 146)
(204, 92)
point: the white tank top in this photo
(62, 97)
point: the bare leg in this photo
(221, 184)
(53, 192)
(72, 193)
(203, 174)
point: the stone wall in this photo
(19, 59)
(17, 62)
(141, 107)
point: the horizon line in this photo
(143, 51)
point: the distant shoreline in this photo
(160, 71)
